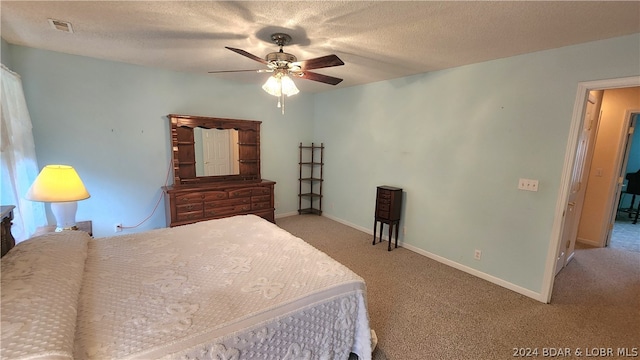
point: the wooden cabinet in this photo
(388, 209)
(310, 179)
(194, 197)
(8, 241)
(189, 204)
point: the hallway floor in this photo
(625, 235)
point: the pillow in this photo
(41, 280)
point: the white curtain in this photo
(19, 164)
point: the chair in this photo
(633, 188)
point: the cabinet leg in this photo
(390, 237)
(397, 230)
(375, 226)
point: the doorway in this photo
(562, 203)
(625, 234)
(605, 182)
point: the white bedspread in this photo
(233, 288)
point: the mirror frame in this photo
(183, 149)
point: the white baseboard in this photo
(469, 270)
(588, 242)
(278, 216)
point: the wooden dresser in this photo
(210, 182)
(185, 205)
(388, 208)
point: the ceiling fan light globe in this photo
(272, 86)
(288, 86)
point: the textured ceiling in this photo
(377, 40)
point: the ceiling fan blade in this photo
(319, 77)
(250, 56)
(232, 71)
(320, 62)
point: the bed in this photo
(233, 288)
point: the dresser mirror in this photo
(207, 149)
(216, 151)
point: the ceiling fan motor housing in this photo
(280, 57)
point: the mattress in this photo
(233, 288)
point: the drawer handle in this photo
(189, 207)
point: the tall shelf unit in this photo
(310, 179)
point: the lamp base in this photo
(65, 214)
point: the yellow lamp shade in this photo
(57, 183)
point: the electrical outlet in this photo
(118, 227)
(477, 254)
(528, 184)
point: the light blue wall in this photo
(633, 164)
(457, 141)
(4, 53)
(108, 120)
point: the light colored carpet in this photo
(421, 309)
(625, 235)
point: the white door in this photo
(575, 201)
(621, 176)
(216, 155)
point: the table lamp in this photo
(61, 186)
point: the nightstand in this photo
(7, 239)
(85, 226)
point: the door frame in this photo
(580, 171)
(577, 118)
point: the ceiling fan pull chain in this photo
(282, 104)
(281, 98)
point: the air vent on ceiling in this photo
(61, 25)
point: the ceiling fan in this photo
(284, 66)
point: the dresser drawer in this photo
(188, 216)
(383, 207)
(260, 191)
(189, 198)
(227, 210)
(215, 195)
(383, 215)
(260, 205)
(261, 198)
(189, 207)
(384, 194)
(239, 193)
(226, 203)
